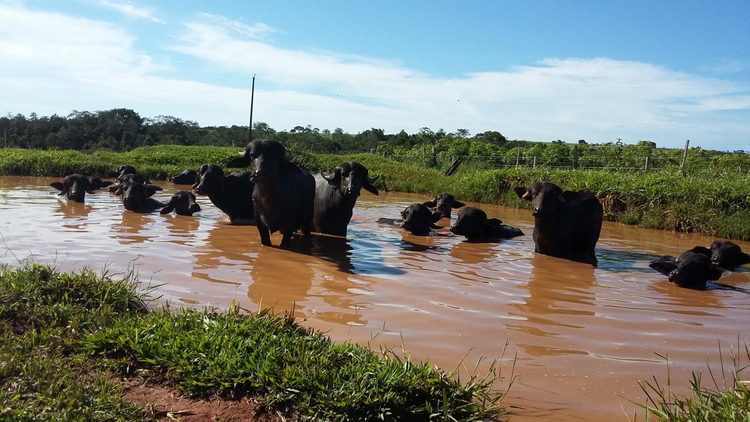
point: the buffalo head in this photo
(727, 254)
(183, 203)
(210, 179)
(134, 194)
(187, 177)
(691, 269)
(444, 203)
(263, 156)
(349, 178)
(74, 187)
(418, 219)
(546, 198)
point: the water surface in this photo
(582, 335)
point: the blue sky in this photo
(664, 71)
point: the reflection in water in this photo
(583, 335)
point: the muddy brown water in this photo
(583, 336)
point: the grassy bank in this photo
(723, 400)
(68, 338)
(712, 203)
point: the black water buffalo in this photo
(335, 196)
(416, 218)
(97, 183)
(692, 269)
(233, 194)
(137, 196)
(183, 203)
(474, 224)
(127, 177)
(187, 177)
(284, 194)
(444, 203)
(728, 255)
(74, 187)
(123, 170)
(566, 224)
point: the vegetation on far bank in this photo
(66, 339)
(715, 203)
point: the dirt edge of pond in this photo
(165, 403)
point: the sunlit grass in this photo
(723, 400)
(66, 339)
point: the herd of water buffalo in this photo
(277, 195)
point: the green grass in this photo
(724, 401)
(66, 337)
(716, 203)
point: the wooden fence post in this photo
(575, 156)
(518, 157)
(684, 158)
(647, 166)
(534, 165)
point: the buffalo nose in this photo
(536, 211)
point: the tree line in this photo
(123, 129)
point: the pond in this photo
(581, 336)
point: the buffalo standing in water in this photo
(692, 269)
(187, 177)
(416, 218)
(284, 194)
(444, 203)
(336, 194)
(566, 224)
(474, 224)
(74, 187)
(183, 203)
(728, 255)
(233, 194)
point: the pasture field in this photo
(68, 338)
(713, 202)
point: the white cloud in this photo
(55, 63)
(128, 9)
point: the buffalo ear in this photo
(430, 204)
(58, 185)
(149, 190)
(242, 161)
(435, 226)
(702, 250)
(458, 204)
(166, 210)
(333, 178)
(523, 193)
(744, 259)
(664, 265)
(372, 189)
(495, 221)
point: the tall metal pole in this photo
(684, 158)
(252, 99)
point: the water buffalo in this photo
(187, 177)
(728, 255)
(416, 218)
(474, 224)
(74, 187)
(691, 269)
(284, 194)
(127, 177)
(137, 196)
(233, 194)
(123, 170)
(183, 203)
(97, 183)
(444, 203)
(335, 196)
(566, 224)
